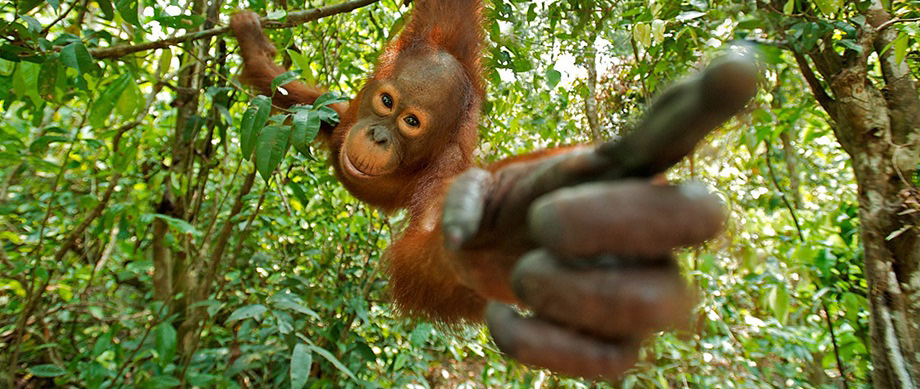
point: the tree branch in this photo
(71, 238)
(887, 24)
(293, 19)
(816, 88)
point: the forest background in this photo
(141, 250)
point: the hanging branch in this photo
(293, 19)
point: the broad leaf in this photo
(553, 77)
(326, 99)
(128, 10)
(179, 224)
(165, 341)
(335, 362)
(305, 125)
(301, 362)
(76, 56)
(283, 79)
(271, 148)
(48, 370)
(104, 105)
(48, 74)
(247, 312)
(254, 119)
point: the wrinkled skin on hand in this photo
(584, 238)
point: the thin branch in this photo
(209, 321)
(71, 239)
(826, 101)
(782, 194)
(156, 322)
(830, 328)
(781, 44)
(59, 18)
(887, 24)
(293, 19)
(801, 235)
(224, 236)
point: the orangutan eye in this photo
(387, 100)
(412, 121)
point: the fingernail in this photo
(453, 237)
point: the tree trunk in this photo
(881, 133)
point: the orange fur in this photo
(424, 278)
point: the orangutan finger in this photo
(681, 118)
(541, 343)
(463, 207)
(610, 302)
(627, 218)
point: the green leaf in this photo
(183, 226)
(305, 125)
(335, 362)
(779, 302)
(48, 370)
(553, 77)
(27, 5)
(284, 321)
(254, 119)
(299, 193)
(104, 105)
(301, 362)
(828, 7)
(657, 29)
(420, 334)
(203, 380)
(165, 60)
(43, 141)
(283, 79)
(293, 306)
(181, 21)
(163, 381)
(303, 63)
(128, 11)
(34, 25)
(851, 44)
(326, 99)
(78, 57)
(129, 101)
(900, 48)
(247, 312)
(164, 337)
(271, 148)
(365, 351)
(108, 13)
(327, 115)
(642, 33)
(48, 74)
(25, 81)
(789, 7)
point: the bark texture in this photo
(877, 122)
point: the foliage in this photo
(140, 249)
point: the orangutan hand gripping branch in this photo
(578, 236)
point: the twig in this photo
(156, 322)
(830, 325)
(887, 24)
(830, 328)
(59, 18)
(782, 195)
(826, 101)
(293, 19)
(196, 341)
